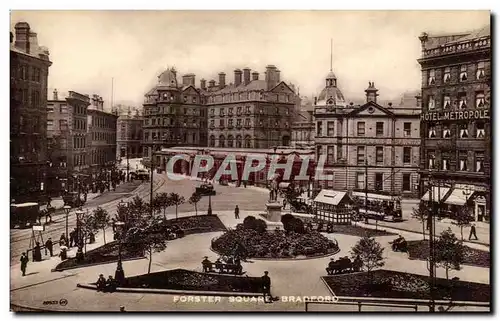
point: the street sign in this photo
(38, 228)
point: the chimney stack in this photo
(271, 76)
(211, 83)
(255, 75)
(22, 36)
(371, 92)
(246, 76)
(55, 94)
(203, 84)
(222, 80)
(237, 77)
(277, 76)
(188, 79)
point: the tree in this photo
(176, 200)
(102, 218)
(150, 237)
(463, 218)
(420, 213)
(370, 253)
(449, 251)
(162, 201)
(88, 224)
(194, 199)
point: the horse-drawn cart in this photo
(24, 214)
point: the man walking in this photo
(237, 213)
(266, 287)
(49, 246)
(473, 232)
(24, 263)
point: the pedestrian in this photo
(63, 240)
(284, 203)
(49, 246)
(24, 263)
(63, 254)
(266, 287)
(236, 212)
(37, 253)
(473, 232)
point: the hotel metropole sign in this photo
(456, 115)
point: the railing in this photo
(459, 47)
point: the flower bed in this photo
(393, 284)
(180, 279)
(197, 224)
(274, 244)
(358, 231)
(104, 254)
(420, 250)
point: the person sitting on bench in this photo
(206, 264)
(101, 283)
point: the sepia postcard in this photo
(250, 161)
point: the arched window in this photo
(248, 141)
(212, 141)
(238, 141)
(222, 141)
(230, 140)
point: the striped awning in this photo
(438, 194)
(458, 197)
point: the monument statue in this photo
(273, 189)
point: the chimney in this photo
(203, 84)
(277, 76)
(55, 94)
(222, 80)
(22, 36)
(237, 77)
(211, 83)
(246, 76)
(419, 100)
(255, 75)
(271, 78)
(315, 100)
(33, 40)
(371, 92)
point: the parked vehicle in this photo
(24, 214)
(205, 190)
(73, 199)
(140, 174)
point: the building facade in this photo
(250, 113)
(369, 148)
(455, 123)
(29, 69)
(101, 136)
(303, 126)
(129, 135)
(174, 114)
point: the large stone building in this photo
(250, 113)
(29, 69)
(455, 127)
(174, 114)
(303, 126)
(129, 135)
(369, 147)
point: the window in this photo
(230, 123)
(446, 131)
(329, 157)
(480, 130)
(248, 109)
(464, 131)
(24, 72)
(319, 129)
(361, 155)
(50, 124)
(479, 99)
(248, 141)
(380, 129)
(479, 162)
(212, 111)
(238, 111)
(447, 75)
(319, 151)
(360, 180)
(432, 77)
(379, 181)
(432, 131)
(480, 70)
(431, 157)
(221, 123)
(379, 153)
(462, 161)
(230, 112)
(212, 123)
(446, 101)
(247, 122)
(462, 101)
(50, 108)
(406, 155)
(406, 183)
(194, 99)
(339, 151)
(63, 108)
(222, 142)
(361, 128)
(238, 122)
(330, 128)
(230, 140)
(431, 104)
(222, 111)
(407, 129)
(463, 73)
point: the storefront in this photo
(333, 206)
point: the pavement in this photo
(288, 277)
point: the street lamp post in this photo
(67, 208)
(79, 253)
(119, 273)
(209, 211)
(151, 184)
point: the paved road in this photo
(20, 238)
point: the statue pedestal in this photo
(274, 212)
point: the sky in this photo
(90, 48)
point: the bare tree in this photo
(176, 200)
(102, 219)
(463, 218)
(421, 213)
(194, 199)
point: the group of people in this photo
(104, 285)
(230, 265)
(399, 244)
(37, 254)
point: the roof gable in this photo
(190, 89)
(371, 109)
(282, 87)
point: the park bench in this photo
(223, 268)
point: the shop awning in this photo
(372, 196)
(284, 185)
(458, 197)
(330, 197)
(438, 194)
